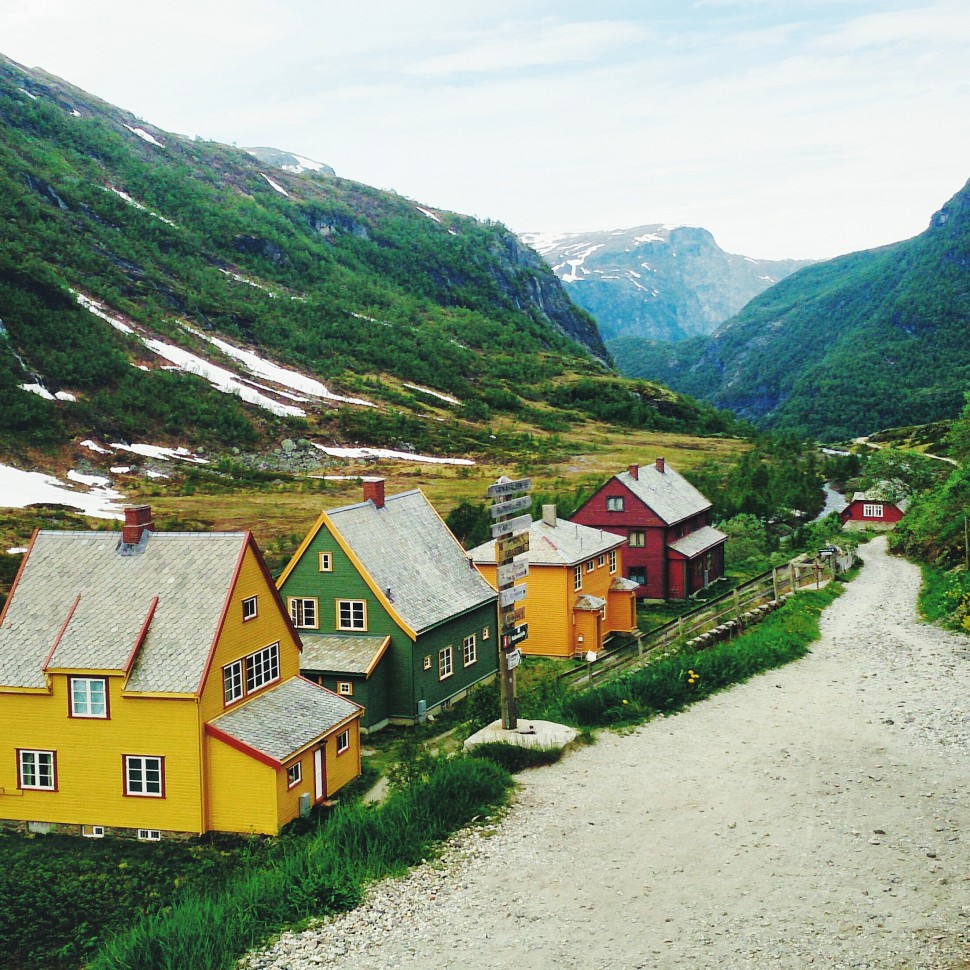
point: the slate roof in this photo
(668, 493)
(405, 547)
(563, 544)
(621, 584)
(84, 602)
(694, 543)
(338, 653)
(879, 494)
(589, 603)
(284, 719)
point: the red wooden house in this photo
(872, 510)
(672, 550)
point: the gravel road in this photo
(816, 816)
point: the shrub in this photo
(514, 757)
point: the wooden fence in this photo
(715, 619)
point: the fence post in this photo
(640, 645)
(737, 604)
(792, 577)
(774, 581)
(680, 628)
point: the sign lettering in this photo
(507, 549)
(507, 597)
(508, 487)
(511, 506)
(513, 525)
(512, 617)
(512, 571)
(513, 658)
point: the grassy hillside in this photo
(871, 340)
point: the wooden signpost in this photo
(510, 531)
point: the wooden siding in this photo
(90, 778)
(242, 791)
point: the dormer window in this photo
(89, 697)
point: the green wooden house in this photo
(390, 611)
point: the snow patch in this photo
(39, 390)
(248, 282)
(65, 396)
(33, 97)
(437, 394)
(92, 481)
(20, 489)
(99, 311)
(428, 213)
(92, 446)
(151, 473)
(388, 453)
(160, 452)
(137, 205)
(145, 136)
(120, 469)
(16, 550)
(275, 185)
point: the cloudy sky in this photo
(788, 129)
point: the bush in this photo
(514, 757)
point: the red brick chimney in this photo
(634, 471)
(374, 490)
(660, 465)
(138, 519)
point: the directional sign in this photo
(506, 549)
(508, 487)
(513, 525)
(513, 658)
(519, 634)
(512, 617)
(511, 506)
(507, 597)
(509, 573)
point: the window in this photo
(37, 769)
(614, 503)
(577, 577)
(145, 776)
(89, 697)
(303, 612)
(427, 662)
(92, 831)
(638, 538)
(600, 561)
(343, 741)
(262, 667)
(445, 668)
(351, 615)
(345, 688)
(149, 835)
(326, 562)
(249, 608)
(872, 511)
(232, 682)
(591, 565)
(294, 775)
(469, 650)
(612, 560)
(486, 632)
(638, 575)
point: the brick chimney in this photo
(634, 471)
(138, 520)
(660, 465)
(374, 491)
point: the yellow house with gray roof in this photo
(149, 686)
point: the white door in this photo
(319, 776)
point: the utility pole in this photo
(511, 510)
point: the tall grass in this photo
(324, 873)
(677, 680)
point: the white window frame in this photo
(325, 562)
(637, 538)
(137, 781)
(612, 560)
(262, 667)
(233, 680)
(600, 562)
(250, 609)
(590, 565)
(294, 774)
(446, 665)
(469, 650)
(299, 607)
(356, 615)
(84, 706)
(41, 765)
(92, 831)
(345, 688)
(614, 503)
(872, 510)
(343, 741)
(577, 578)
(486, 632)
(149, 835)
(427, 662)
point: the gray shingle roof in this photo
(668, 493)
(694, 543)
(338, 653)
(881, 493)
(405, 547)
(563, 544)
(189, 573)
(282, 720)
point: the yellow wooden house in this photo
(150, 687)
(576, 596)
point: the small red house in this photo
(872, 510)
(672, 550)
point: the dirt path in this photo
(814, 817)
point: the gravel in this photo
(813, 817)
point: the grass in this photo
(326, 872)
